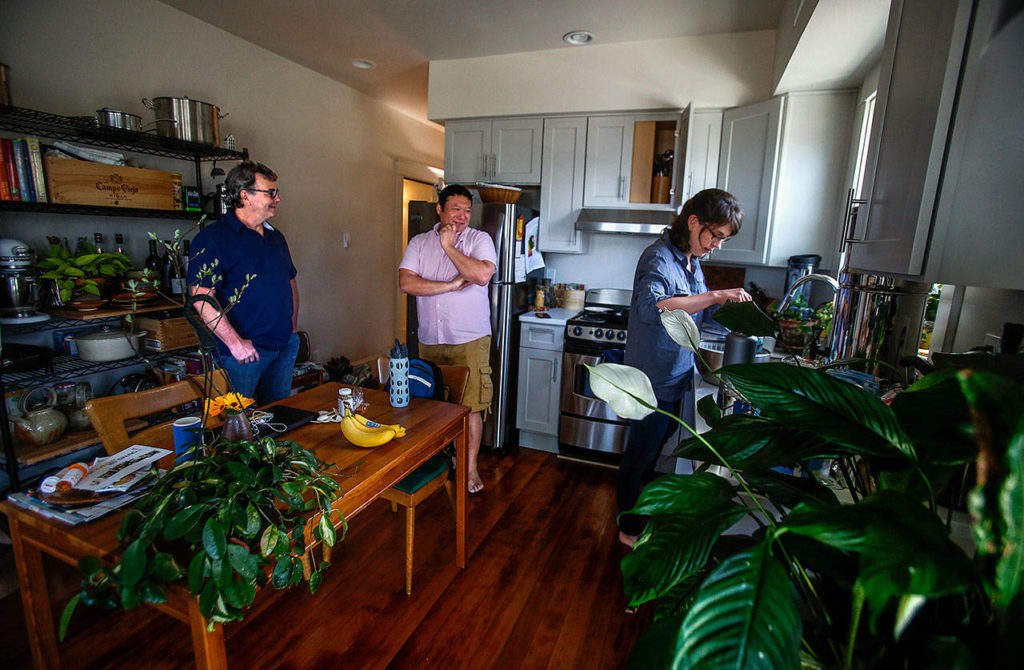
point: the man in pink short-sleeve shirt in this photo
(448, 270)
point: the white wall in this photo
(332, 147)
(709, 70)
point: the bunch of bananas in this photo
(362, 432)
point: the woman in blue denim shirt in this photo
(668, 277)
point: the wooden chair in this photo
(109, 414)
(430, 477)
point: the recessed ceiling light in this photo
(363, 63)
(578, 38)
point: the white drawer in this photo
(535, 336)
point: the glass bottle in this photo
(98, 238)
(152, 264)
(119, 241)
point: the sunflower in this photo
(232, 403)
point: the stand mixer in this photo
(19, 296)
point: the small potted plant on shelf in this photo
(88, 272)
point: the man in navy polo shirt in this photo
(256, 338)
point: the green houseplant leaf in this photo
(749, 441)
(746, 318)
(745, 616)
(814, 401)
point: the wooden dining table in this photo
(362, 473)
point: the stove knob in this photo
(610, 334)
(599, 333)
(622, 336)
(577, 331)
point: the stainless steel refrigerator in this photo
(508, 299)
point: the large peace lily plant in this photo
(873, 580)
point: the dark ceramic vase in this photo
(237, 428)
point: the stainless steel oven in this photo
(595, 335)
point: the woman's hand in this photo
(735, 294)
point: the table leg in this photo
(208, 647)
(35, 600)
(461, 484)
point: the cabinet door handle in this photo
(494, 166)
(622, 188)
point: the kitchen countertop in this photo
(558, 316)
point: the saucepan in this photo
(712, 353)
(112, 118)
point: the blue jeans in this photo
(267, 380)
(647, 437)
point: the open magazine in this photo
(122, 471)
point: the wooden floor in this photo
(542, 590)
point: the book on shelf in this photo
(12, 168)
(24, 169)
(35, 158)
(5, 183)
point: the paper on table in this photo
(534, 259)
(121, 471)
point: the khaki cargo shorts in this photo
(475, 355)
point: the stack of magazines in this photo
(112, 482)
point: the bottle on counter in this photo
(119, 241)
(98, 238)
(175, 274)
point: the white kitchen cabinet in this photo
(703, 143)
(540, 378)
(609, 160)
(785, 160)
(981, 200)
(945, 170)
(614, 163)
(916, 89)
(506, 151)
(561, 178)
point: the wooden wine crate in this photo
(166, 334)
(74, 182)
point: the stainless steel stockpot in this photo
(186, 119)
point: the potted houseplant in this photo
(234, 518)
(85, 272)
(875, 580)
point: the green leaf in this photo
(150, 592)
(1010, 569)
(746, 318)
(85, 259)
(214, 539)
(182, 522)
(694, 495)
(74, 272)
(673, 547)
(242, 561)
(745, 616)
(242, 473)
(65, 617)
(945, 437)
(656, 646)
(268, 541)
(292, 489)
(708, 410)
(233, 594)
(814, 401)
(195, 573)
(314, 582)
(129, 598)
(282, 572)
(164, 568)
(326, 530)
(789, 491)
(220, 571)
(133, 562)
(252, 522)
(748, 441)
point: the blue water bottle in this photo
(399, 379)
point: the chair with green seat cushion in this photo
(430, 477)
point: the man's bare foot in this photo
(628, 540)
(474, 484)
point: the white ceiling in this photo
(403, 36)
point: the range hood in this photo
(628, 221)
